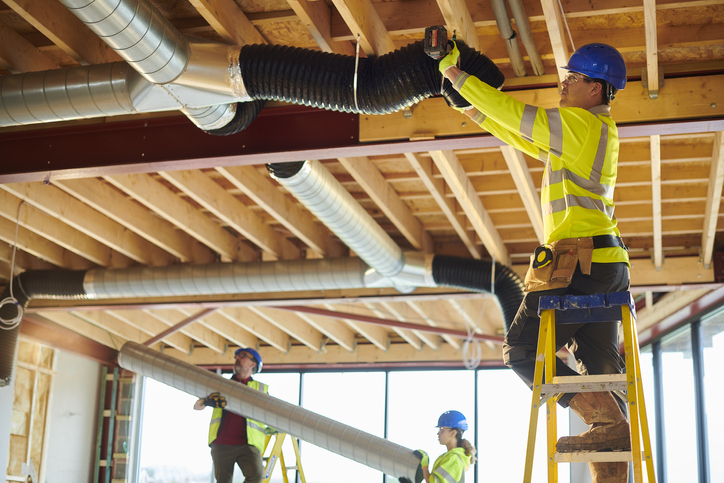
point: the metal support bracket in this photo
(645, 82)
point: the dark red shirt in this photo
(233, 427)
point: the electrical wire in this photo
(472, 351)
(563, 15)
(10, 324)
(354, 82)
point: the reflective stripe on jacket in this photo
(450, 467)
(580, 149)
(255, 435)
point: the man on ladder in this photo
(583, 252)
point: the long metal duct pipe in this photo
(380, 454)
(521, 21)
(139, 33)
(315, 187)
(508, 34)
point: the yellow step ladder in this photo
(277, 455)
(612, 307)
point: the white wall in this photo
(73, 420)
(7, 394)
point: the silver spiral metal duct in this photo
(226, 278)
(213, 117)
(139, 33)
(315, 187)
(78, 93)
(380, 454)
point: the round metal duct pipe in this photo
(315, 187)
(375, 452)
(139, 33)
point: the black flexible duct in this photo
(385, 84)
(43, 284)
(476, 275)
(246, 112)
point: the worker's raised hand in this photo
(215, 400)
(450, 60)
(424, 458)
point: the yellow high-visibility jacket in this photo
(255, 434)
(580, 149)
(450, 467)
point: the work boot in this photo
(609, 429)
(609, 472)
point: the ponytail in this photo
(466, 445)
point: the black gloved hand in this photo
(215, 400)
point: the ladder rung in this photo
(601, 457)
(606, 382)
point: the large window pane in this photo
(174, 437)
(353, 398)
(284, 386)
(647, 378)
(504, 402)
(679, 407)
(712, 337)
(416, 401)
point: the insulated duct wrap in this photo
(320, 193)
(377, 453)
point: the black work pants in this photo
(593, 345)
(248, 458)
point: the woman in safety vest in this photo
(451, 466)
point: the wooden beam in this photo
(373, 333)
(65, 30)
(388, 201)
(150, 326)
(524, 182)
(335, 330)
(80, 216)
(293, 325)
(196, 331)
(404, 313)
(287, 212)
(317, 18)
(408, 336)
(555, 26)
(155, 196)
(458, 19)
(363, 20)
(658, 256)
(713, 199)
(258, 326)
(46, 226)
(40, 247)
(652, 54)
(17, 55)
(422, 312)
(437, 187)
(122, 209)
(454, 174)
(229, 330)
(229, 21)
(632, 106)
(211, 196)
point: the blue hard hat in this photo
(452, 419)
(253, 353)
(599, 61)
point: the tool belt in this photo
(552, 266)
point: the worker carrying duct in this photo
(583, 252)
(235, 439)
(451, 466)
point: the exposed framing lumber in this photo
(362, 19)
(293, 325)
(123, 210)
(458, 18)
(206, 192)
(80, 216)
(258, 326)
(555, 23)
(17, 55)
(423, 312)
(85, 328)
(155, 196)
(297, 220)
(524, 182)
(658, 255)
(437, 187)
(65, 30)
(713, 199)
(454, 174)
(408, 336)
(388, 201)
(317, 18)
(227, 20)
(229, 330)
(196, 331)
(335, 330)
(652, 55)
(375, 334)
(151, 326)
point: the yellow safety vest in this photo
(580, 149)
(450, 467)
(254, 429)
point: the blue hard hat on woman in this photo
(254, 354)
(599, 61)
(452, 419)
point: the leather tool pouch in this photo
(552, 266)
